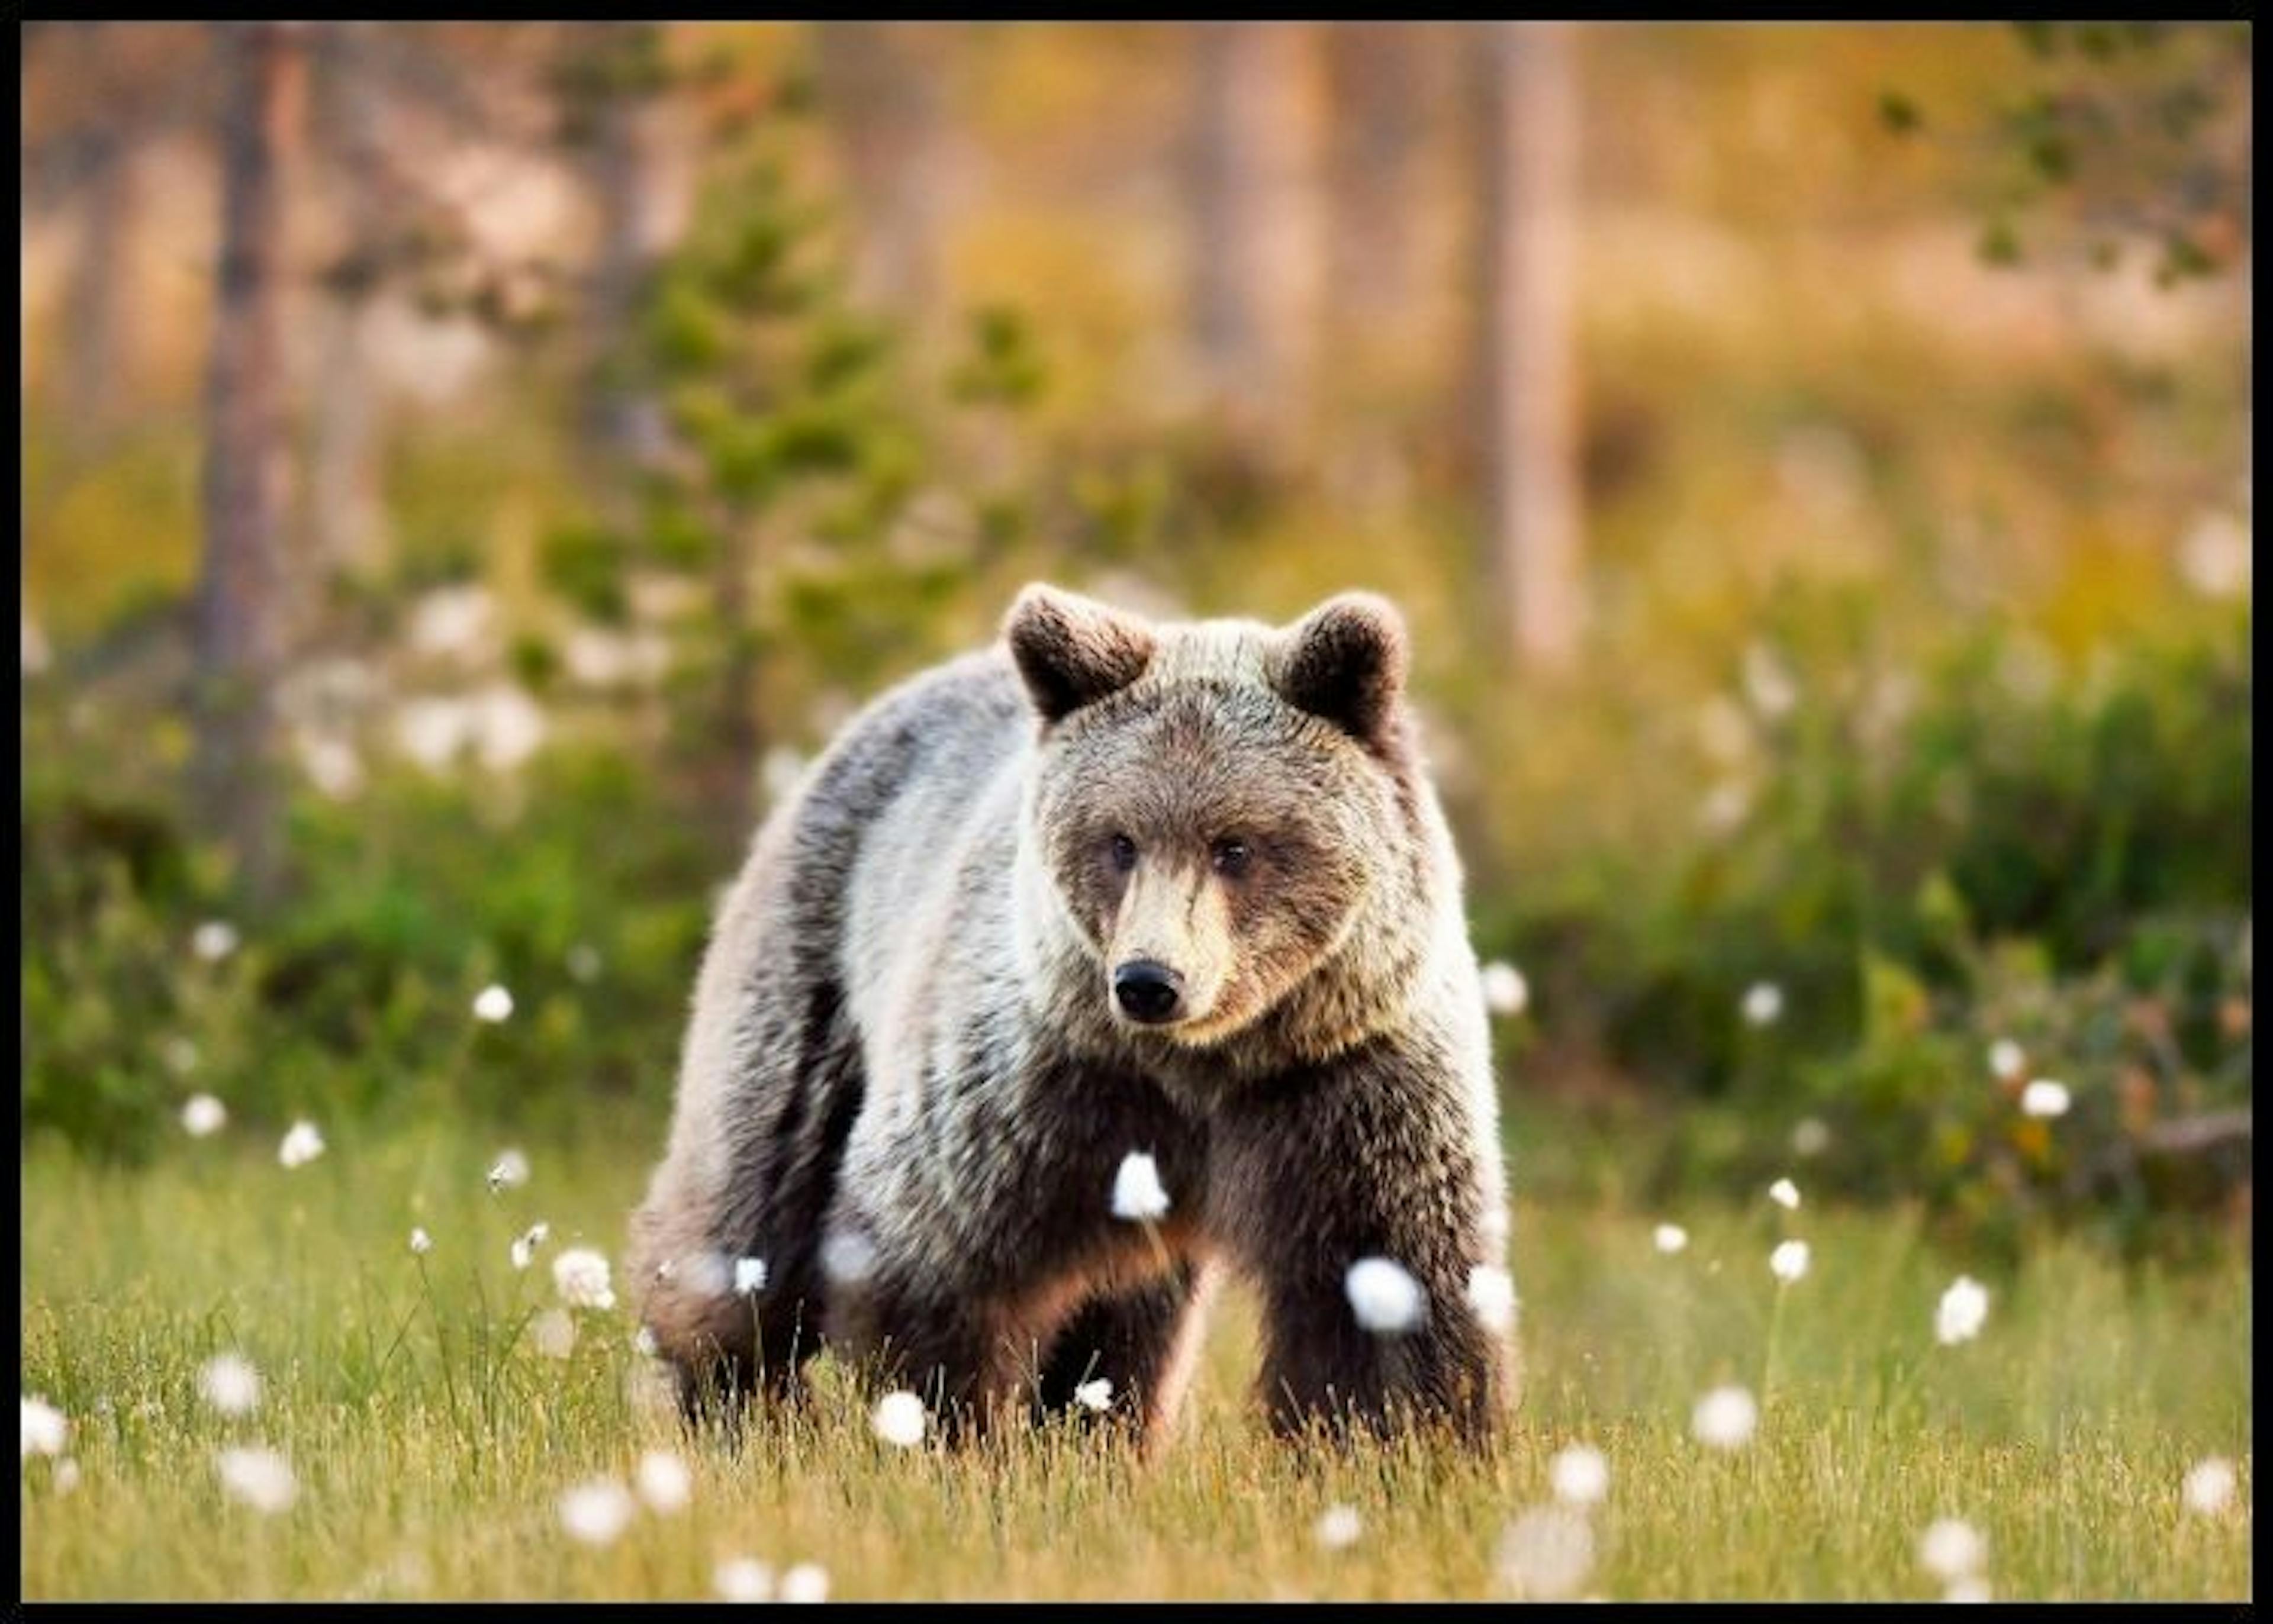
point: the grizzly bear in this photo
(1110, 889)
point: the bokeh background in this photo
(469, 468)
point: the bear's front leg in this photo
(1381, 1154)
(1141, 1344)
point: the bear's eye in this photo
(1231, 857)
(1124, 853)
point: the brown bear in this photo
(1109, 891)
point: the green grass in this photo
(431, 1440)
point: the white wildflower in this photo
(1767, 683)
(2209, 1487)
(1810, 1136)
(596, 1512)
(1785, 1194)
(899, 1419)
(1950, 1549)
(1491, 1293)
(65, 1477)
(1962, 1309)
(229, 1383)
(1338, 1527)
(524, 1250)
(1763, 1003)
(2006, 1058)
(510, 1171)
(665, 1482)
(492, 1004)
(45, 1428)
(1580, 1474)
(1725, 1418)
(260, 1478)
(1137, 1193)
(581, 1275)
(1789, 1262)
(1506, 991)
(749, 1275)
(743, 1578)
(847, 1257)
(454, 621)
(203, 1114)
(2044, 1097)
(807, 1581)
(553, 1333)
(421, 1242)
(1096, 1394)
(302, 1145)
(1669, 1239)
(643, 1343)
(1725, 808)
(1385, 1295)
(213, 940)
(1546, 1554)
(1972, 1587)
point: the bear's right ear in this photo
(1073, 651)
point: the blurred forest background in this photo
(468, 468)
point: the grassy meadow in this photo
(430, 1437)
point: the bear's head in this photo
(1217, 806)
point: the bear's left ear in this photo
(1072, 651)
(1346, 661)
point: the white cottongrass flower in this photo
(65, 1477)
(229, 1383)
(1785, 1194)
(1952, 1549)
(553, 1334)
(1580, 1475)
(807, 1581)
(1789, 1262)
(2209, 1487)
(1384, 1295)
(1768, 682)
(2006, 1058)
(421, 1242)
(213, 940)
(581, 1275)
(302, 1144)
(644, 1344)
(203, 1114)
(492, 1004)
(509, 1171)
(1138, 1193)
(1959, 1316)
(594, 1512)
(1491, 1293)
(1725, 1418)
(260, 1478)
(663, 1481)
(1546, 1553)
(899, 1419)
(1506, 990)
(2044, 1097)
(524, 1250)
(749, 1275)
(1973, 1587)
(1338, 1527)
(45, 1427)
(1810, 1136)
(743, 1578)
(1669, 1239)
(1763, 1003)
(848, 1257)
(1096, 1394)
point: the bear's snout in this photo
(1148, 991)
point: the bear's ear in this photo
(1345, 661)
(1073, 651)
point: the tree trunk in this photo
(247, 476)
(1528, 391)
(99, 300)
(1374, 69)
(1253, 243)
(884, 100)
(623, 423)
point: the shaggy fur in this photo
(907, 1087)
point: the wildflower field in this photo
(330, 1380)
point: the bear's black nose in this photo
(1150, 992)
